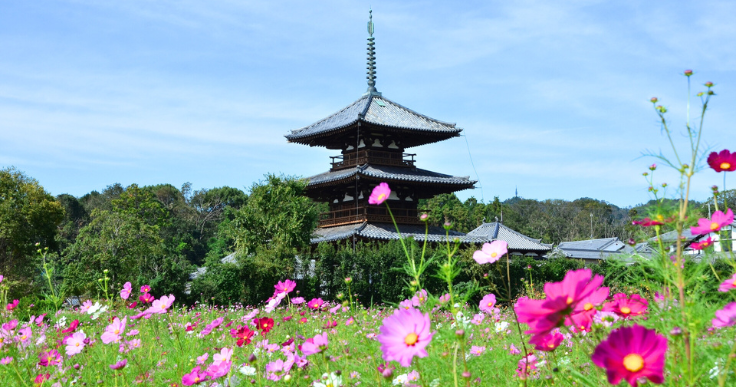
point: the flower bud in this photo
(348, 280)
(653, 167)
(676, 331)
(252, 358)
(664, 185)
(708, 84)
(700, 94)
(287, 378)
(466, 375)
(459, 333)
(105, 271)
(424, 217)
(653, 100)
(688, 73)
(645, 174)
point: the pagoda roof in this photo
(516, 240)
(377, 110)
(387, 231)
(391, 173)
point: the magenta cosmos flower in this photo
(50, 358)
(548, 342)
(380, 193)
(632, 353)
(197, 376)
(719, 219)
(315, 345)
(125, 291)
(722, 161)
(702, 245)
(627, 307)
(725, 317)
(405, 334)
(487, 303)
(728, 284)
(315, 303)
(285, 287)
(562, 300)
(491, 252)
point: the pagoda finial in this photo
(371, 57)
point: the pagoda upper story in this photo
(372, 135)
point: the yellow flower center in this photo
(569, 300)
(23, 338)
(411, 339)
(626, 310)
(660, 217)
(491, 304)
(714, 226)
(76, 344)
(725, 165)
(196, 379)
(494, 254)
(163, 306)
(117, 331)
(633, 362)
(588, 306)
(732, 283)
(381, 197)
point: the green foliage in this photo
(28, 215)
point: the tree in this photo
(28, 215)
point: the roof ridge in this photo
(452, 124)
(365, 109)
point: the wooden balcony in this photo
(371, 214)
(352, 159)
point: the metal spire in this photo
(371, 58)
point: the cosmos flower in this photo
(548, 342)
(12, 305)
(526, 367)
(316, 344)
(194, 377)
(728, 284)
(265, 324)
(285, 287)
(725, 317)
(707, 226)
(146, 298)
(50, 358)
(477, 351)
(224, 356)
(297, 300)
(125, 291)
(72, 327)
(145, 289)
(380, 193)
(405, 334)
(627, 307)
(119, 365)
(114, 331)
(487, 303)
(722, 161)
(315, 303)
(243, 334)
(702, 245)
(491, 252)
(632, 353)
(75, 343)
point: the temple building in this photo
(373, 136)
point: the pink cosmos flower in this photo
(722, 161)
(194, 377)
(113, 332)
(725, 317)
(315, 303)
(125, 291)
(146, 298)
(285, 287)
(491, 252)
(406, 304)
(24, 336)
(632, 353)
(211, 326)
(562, 299)
(380, 193)
(477, 351)
(218, 370)
(6, 360)
(526, 366)
(162, 304)
(40, 378)
(145, 289)
(50, 358)
(405, 334)
(719, 220)
(85, 306)
(119, 365)
(224, 356)
(202, 359)
(548, 342)
(583, 313)
(728, 284)
(2, 277)
(487, 303)
(627, 307)
(75, 343)
(274, 302)
(445, 298)
(297, 300)
(12, 305)
(513, 350)
(702, 245)
(315, 345)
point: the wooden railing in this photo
(352, 159)
(372, 214)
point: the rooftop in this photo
(516, 240)
(389, 174)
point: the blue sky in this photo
(552, 96)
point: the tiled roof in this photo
(389, 173)
(604, 244)
(516, 240)
(600, 248)
(376, 110)
(387, 231)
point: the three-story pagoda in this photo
(373, 135)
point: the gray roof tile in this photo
(387, 231)
(388, 173)
(516, 240)
(376, 110)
